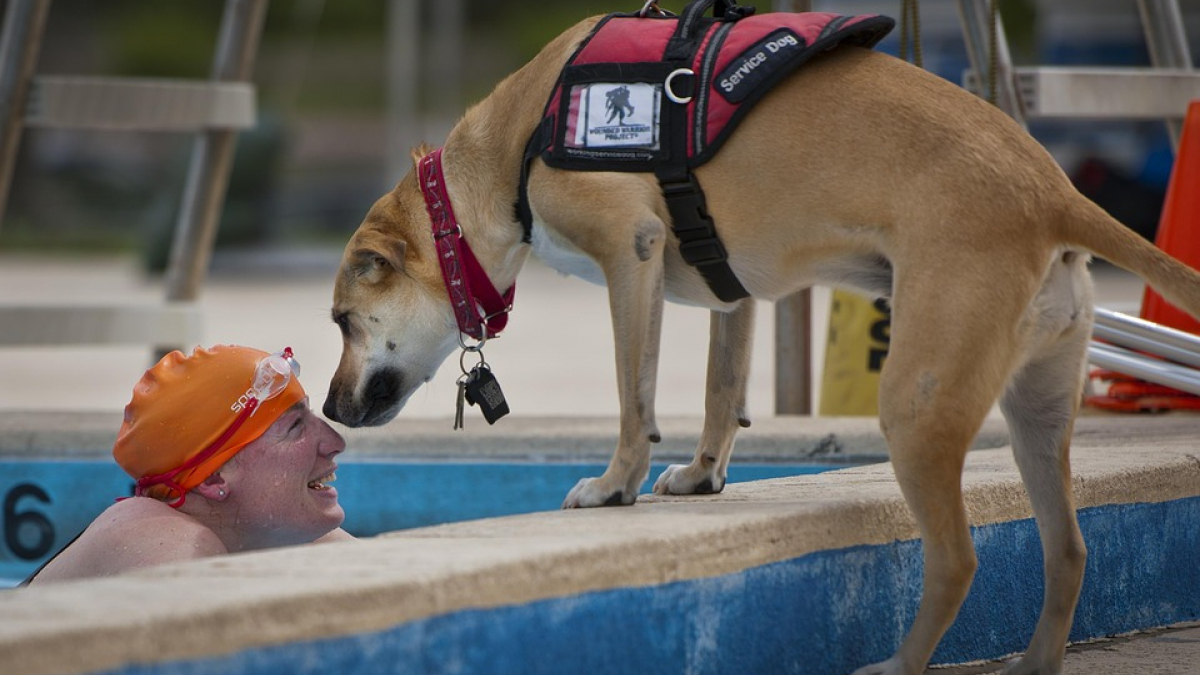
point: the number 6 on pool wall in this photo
(15, 521)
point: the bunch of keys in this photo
(479, 387)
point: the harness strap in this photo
(699, 244)
(538, 142)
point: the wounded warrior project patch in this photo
(615, 114)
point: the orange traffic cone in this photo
(1179, 227)
(1178, 235)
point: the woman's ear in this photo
(214, 488)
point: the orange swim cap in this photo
(188, 405)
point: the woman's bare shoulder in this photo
(158, 530)
(131, 534)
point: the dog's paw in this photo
(687, 479)
(591, 492)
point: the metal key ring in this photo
(462, 360)
(478, 346)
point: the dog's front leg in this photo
(634, 275)
(729, 347)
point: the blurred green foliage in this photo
(529, 26)
(159, 39)
(1020, 27)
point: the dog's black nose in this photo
(330, 408)
(380, 397)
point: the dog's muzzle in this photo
(379, 403)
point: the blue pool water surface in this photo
(45, 503)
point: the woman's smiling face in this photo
(279, 488)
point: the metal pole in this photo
(24, 23)
(403, 80)
(446, 31)
(793, 354)
(1163, 24)
(975, 17)
(793, 322)
(1145, 368)
(1128, 340)
(212, 156)
(1147, 330)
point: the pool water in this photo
(379, 497)
(44, 504)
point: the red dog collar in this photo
(481, 310)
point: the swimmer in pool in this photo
(227, 456)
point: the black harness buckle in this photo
(698, 241)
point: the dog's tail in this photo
(1090, 227)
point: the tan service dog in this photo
(858, 170)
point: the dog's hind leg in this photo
(950, 355)
(729, 346)
(1040, 405)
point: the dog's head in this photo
(391, 305)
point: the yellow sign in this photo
(854, 353)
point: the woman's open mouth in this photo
(322, 483)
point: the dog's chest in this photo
(561, 255)
(681, 283)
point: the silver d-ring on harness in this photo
(667, 85)
(652, 6)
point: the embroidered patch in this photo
(745, 73)
(615, 115)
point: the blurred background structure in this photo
(344, 89)
(332, 77)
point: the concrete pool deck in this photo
(816, 570)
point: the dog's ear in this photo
(418, 153)
(372, 260)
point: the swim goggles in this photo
(271, 376)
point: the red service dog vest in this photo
(662, 93)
